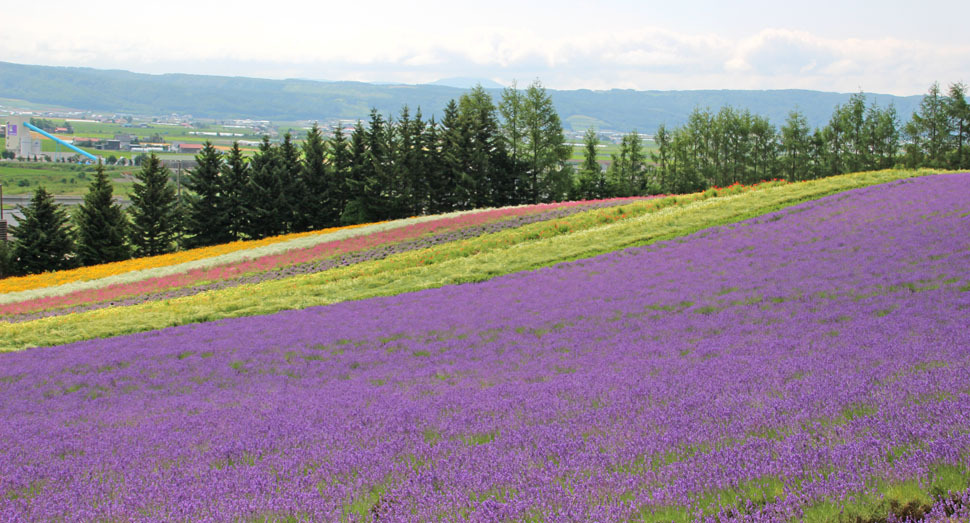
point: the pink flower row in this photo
(275, 261)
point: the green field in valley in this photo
(58, 178)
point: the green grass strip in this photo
(530, 247)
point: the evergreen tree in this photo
(43, 240)
(154, 210)
(484, 175)
(764, 150)
(101, 224)
(546, 145)
(512, 109)
(290, 199)
(626, 175)
(207, 220)
(359, 180)
(379, 191)
(315, 208)
(795, 147)
(235, 182)
(263, 196)
(450, 191)
(409, 163)
(340, 167)
(591, 182)
(929, 132)
(7, 265)
(959, 112)
(661, 158)
(883, 130)
(436, 172)
(402, 141)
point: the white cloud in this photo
(317, 44)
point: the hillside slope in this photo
(808, 364)
(239, 97)
(479, 257)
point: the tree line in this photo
(735, 146)
(480, 154)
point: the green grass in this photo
(905, 498)
(526, 248)
(58, 178)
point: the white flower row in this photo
(223, 259)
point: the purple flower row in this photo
(753, 371)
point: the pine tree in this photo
(547, 150)
(292, 190)
(409, 167)
(7, 266)
(206, 220)
(359, 178)
(315, 212)
(795, 147)
(454, 140)
(43, 238)
(154, 210)
(340, 161)
(929, 132)
(512, 109)
(959, 112)
(102, 225)
(379, 190)
(883, 136)
(263, 193)
(235, 181)
(483, 175)
(436, 171)
(662, 158)
(765, 150)
(591, 184)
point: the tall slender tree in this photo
(591, 183)
(928, 131)
(235, 180)
(662, 157)
(154, 210)
(795, 147)
(959, 112)
(454, 153)
(512, 110)
(265, 206)
(485, 173)
(43, 240)
(360, 179)
(546, 145)
(206, 221)
(101, 224)
(340, 166)
(315, 205)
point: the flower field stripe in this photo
(9, 286)
(472, 260)
(808, 364)
(99, 276)
(298, 261)
(228, 302)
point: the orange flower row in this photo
(50, 279)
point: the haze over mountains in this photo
(241, 97)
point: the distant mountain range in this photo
(202, 96)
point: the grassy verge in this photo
(534, 246)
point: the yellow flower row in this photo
(93, 272)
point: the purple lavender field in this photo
(810, 360)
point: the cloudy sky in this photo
(891, 46)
